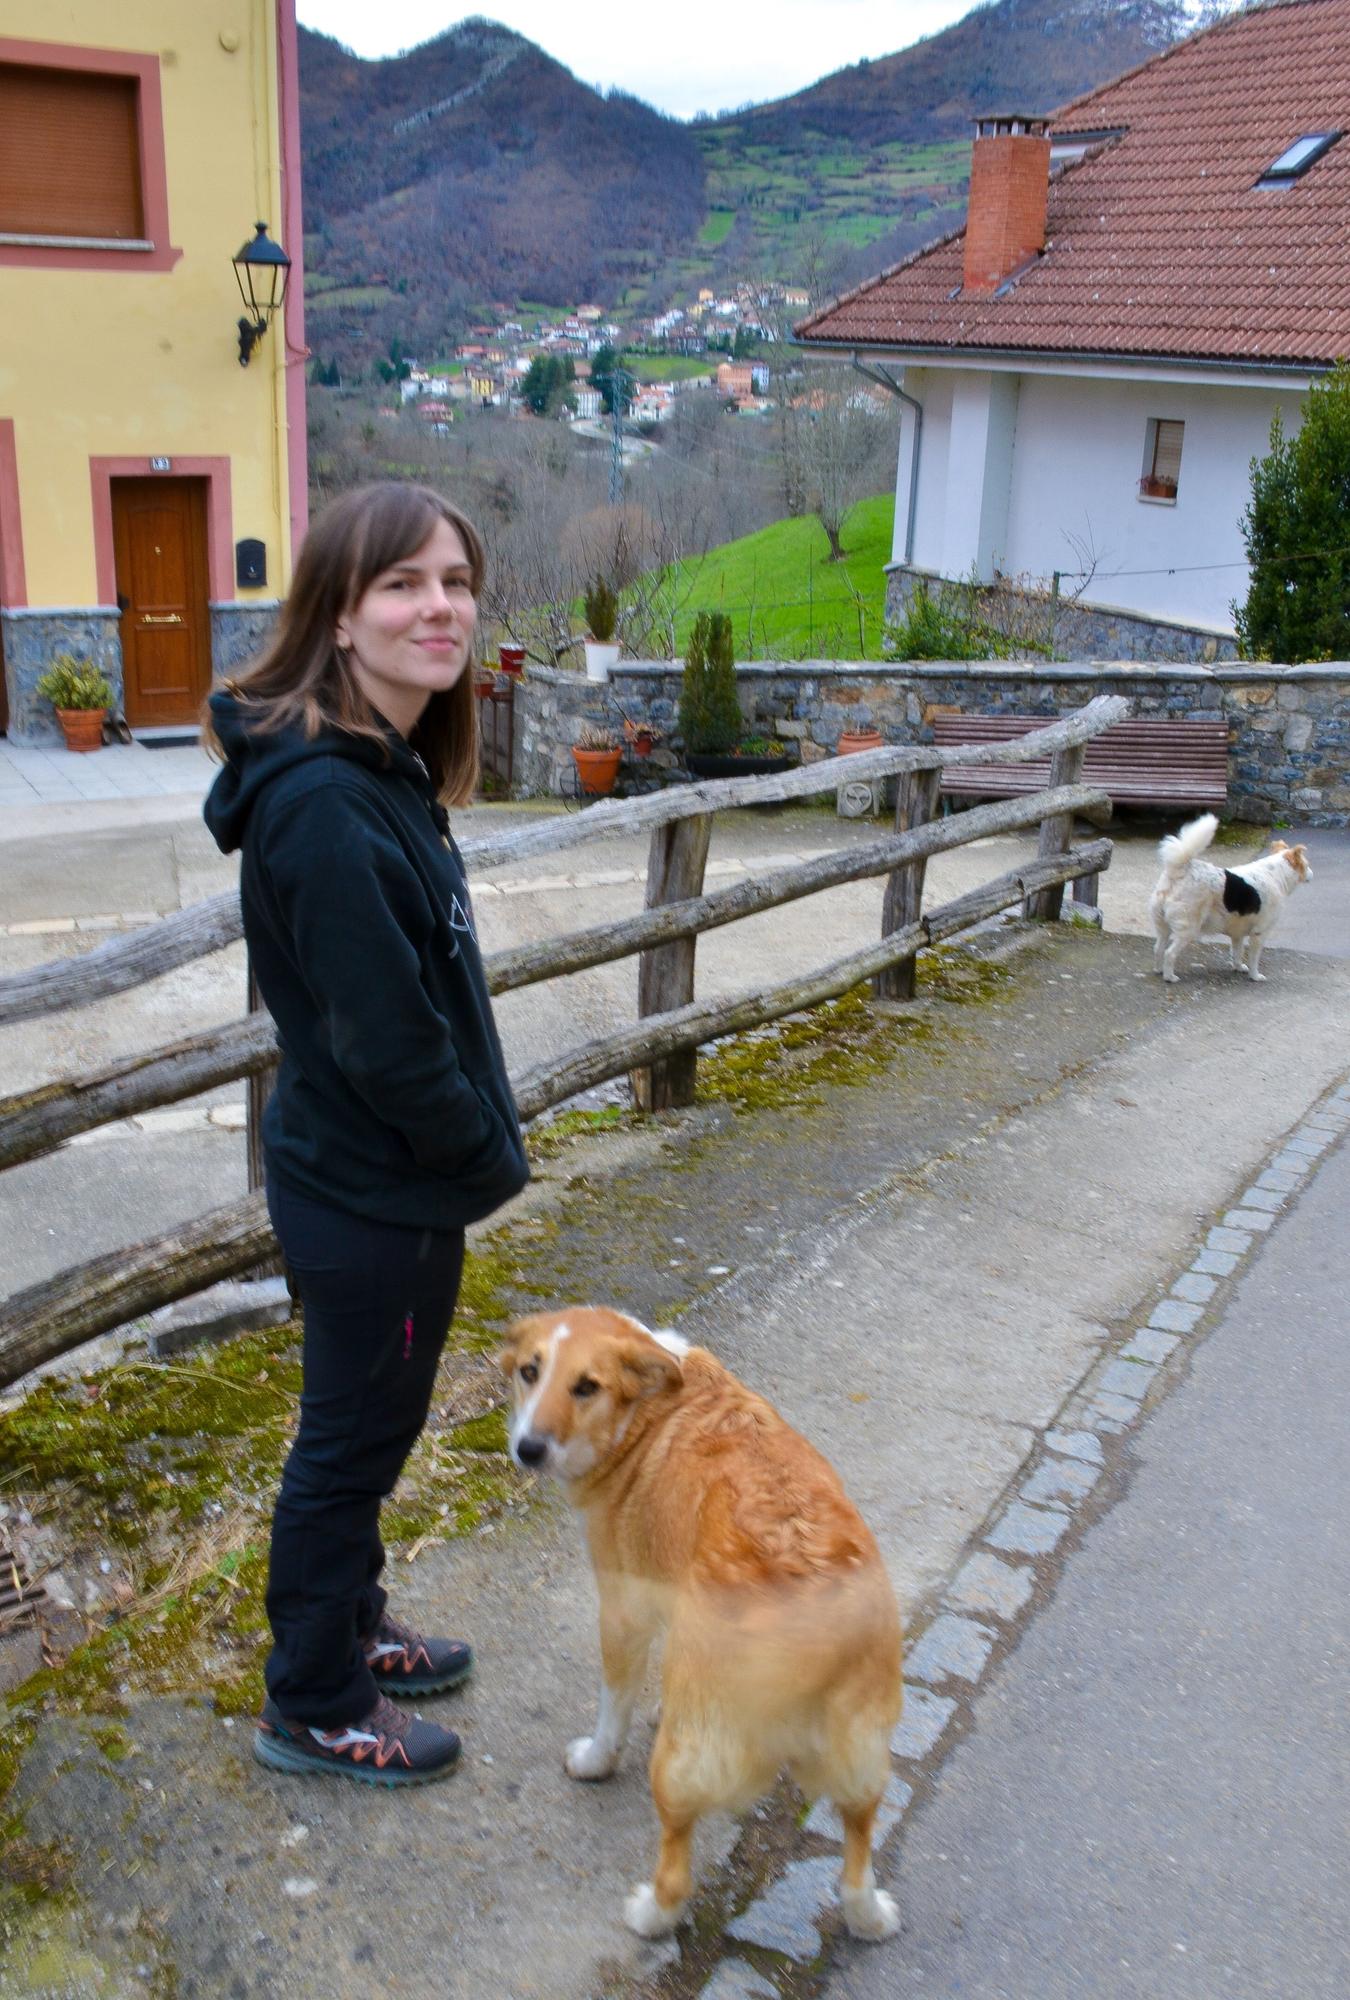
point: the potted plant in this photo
(597, 754)
(715, 741)
(81, 696)
(602, 619)
(642, 736)
(851, 741)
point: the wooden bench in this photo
(1139, 763)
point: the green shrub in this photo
(1296, 535)
(724, 726)
(72, 683)
(602, 610)
(694, 686)
(945, 627)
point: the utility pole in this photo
(616, 382)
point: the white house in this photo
(1087, 369)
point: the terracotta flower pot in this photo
(597, 770)
(853, 740)
(82, 727)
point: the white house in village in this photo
(1085, 372)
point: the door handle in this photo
(165, 618)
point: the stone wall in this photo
(1078, 631)
(1288, 727)
(31, 639)
(240, 629)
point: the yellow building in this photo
(152, 489)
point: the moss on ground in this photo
(159, 1478)
(845, 1043)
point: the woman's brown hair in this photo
(301, 678)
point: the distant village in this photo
(489, 367)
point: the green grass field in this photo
(847, 198)
(671, 367)
(717, 228)
(785, 598)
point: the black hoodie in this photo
(392, 1099)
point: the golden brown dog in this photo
(710, 1518)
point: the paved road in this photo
(1153, 1799)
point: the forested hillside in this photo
(477, 168)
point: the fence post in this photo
(916, 801)
(675, 864)
(1056, 834)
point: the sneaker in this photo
(404, 1663)
(387, 1748)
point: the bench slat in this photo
(1141, 762)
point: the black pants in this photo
(377, 1303)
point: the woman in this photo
(392, 1124)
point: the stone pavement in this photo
(1148, 1800)
(39, 776)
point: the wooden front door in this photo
(159, 547)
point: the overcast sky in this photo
(702, 55)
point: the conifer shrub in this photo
(1296, 528)
(602, 610)
(724, 726)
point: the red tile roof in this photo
(1158, 242)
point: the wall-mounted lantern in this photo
(261, 268)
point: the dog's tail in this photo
(1178, 850)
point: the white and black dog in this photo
(1195, 899)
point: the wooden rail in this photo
(39, 1121)
(659, 1051)
(122, 963)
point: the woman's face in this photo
(408, 635)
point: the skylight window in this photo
(1296, 159)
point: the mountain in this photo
(874, 159)
(476, 170)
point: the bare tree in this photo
(837, 441)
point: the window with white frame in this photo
(1162, 459)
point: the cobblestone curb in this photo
(1007, 1569)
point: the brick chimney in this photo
(1009, 182)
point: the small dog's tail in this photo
(1178, 850)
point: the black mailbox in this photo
(250, 564)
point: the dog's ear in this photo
(510, 1354)
(645, 1369)
(1278, 847)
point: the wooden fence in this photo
(659, 1052)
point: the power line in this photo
(1191, 569)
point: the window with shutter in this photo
(1162, 458)
(70, 164)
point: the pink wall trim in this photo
(288, 112)
(219, 518)
(154, 172)
(13, 584)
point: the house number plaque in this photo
(161, 465)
